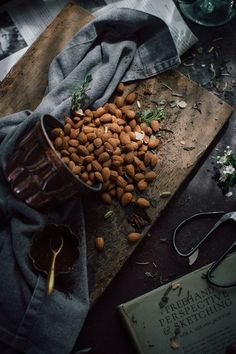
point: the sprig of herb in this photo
(79, 93)
(148, 115)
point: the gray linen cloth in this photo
(120, 45)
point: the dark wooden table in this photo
(205, 63)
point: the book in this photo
(188, 316)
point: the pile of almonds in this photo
(112, 146)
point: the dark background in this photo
(103, 330)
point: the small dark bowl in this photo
(36, 172)
(41, 254)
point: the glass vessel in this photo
(208, 12)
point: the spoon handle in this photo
(51, 274)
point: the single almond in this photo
(126, 198)
(82, 150)
(120, 88)
(105, 173)
(134, 237)
(143, 203)
(142, 185)
(99, 243)
(106, 198)
(150, 176)
(119, 101)
(130, 98)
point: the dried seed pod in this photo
(99, 243)
(134, 237)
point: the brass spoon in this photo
(51, 274)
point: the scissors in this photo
(193, 253)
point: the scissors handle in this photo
(210, 276)
(203, 239)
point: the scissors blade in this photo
(192, 259)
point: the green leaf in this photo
(79, 93)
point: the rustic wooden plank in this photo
(186, 136)
(24, 87)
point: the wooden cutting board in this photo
(186, 134)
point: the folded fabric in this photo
(120, 45)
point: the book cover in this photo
(187, 316)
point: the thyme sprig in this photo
(80, 93)
(148, 115)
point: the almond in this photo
(76, 170)
(103, 157)
(57, 132)
(70, 121)
(96, 166)
(130, 98)
(130, 114)
(74, 133)
(134, 237)
(138, 177)
(155, 125)
(121, 182)
(142, 185)
(65, 159)
(150, 176)
(133, 123)
(126, 108)
(99, 151)
(108, 147)
(74, 143)
(129, 188)
(71, 165)
(124, 138)
(105, 174)
(82, 150)
(113, 127)
(119, 192)
(98, 177)
(106, 118)
(82, 138)
(130, 170)
(129, 157)
(120, 88)
(88, 159)
(143, 203)
(99, 112)
(97, 142)
(153, 143)
(88, 113)
(113, 175)
(91, 136)
(67, 129)
(106, 198)
(119, 101)
(74, 157)
(84, 176)
(153, 160)
(126, 198)
(114, 142)
(99, 243)
(90, 147)
(87, 129)
(58, 143)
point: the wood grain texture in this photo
(24, 86)
(182, 128)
